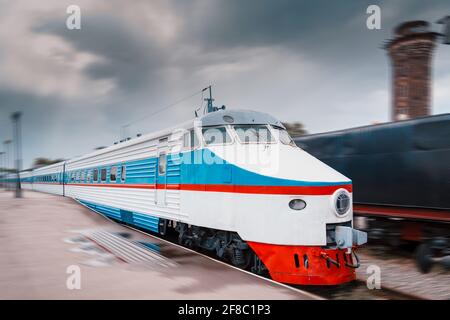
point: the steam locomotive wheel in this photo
(424, 257)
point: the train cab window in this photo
(162, 164)
(216, 135)
(95, 175)
(103, 174)
(284, 136)
(113, 174)
(123, 173)
(253, 134)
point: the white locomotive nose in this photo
(279, 161)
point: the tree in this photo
(295, 129)
(41, 162)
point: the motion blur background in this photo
(312, 62)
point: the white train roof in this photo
(221, 117)
(224, 117)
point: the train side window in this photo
(88, 176)
(113, 174)
(83, 175)
(194, 139)
(95, 175)
(190, 140)
(123, 173)
(186, 141)
(103, 174)
(162, 164)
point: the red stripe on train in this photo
(286, 190)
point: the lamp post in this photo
(15, 117)
(2, 172)
(7, 144)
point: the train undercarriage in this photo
(226, 245)
(429, 237)
(300, 265)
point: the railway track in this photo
(356, 290)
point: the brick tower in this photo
(411, 53)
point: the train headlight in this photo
(341, 202)
(297, 204)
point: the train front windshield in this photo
(245, 133)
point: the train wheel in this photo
(240, 258)
(424, 257)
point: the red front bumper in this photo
(305, 265)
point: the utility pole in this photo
(17, 139)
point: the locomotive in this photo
(230, 181)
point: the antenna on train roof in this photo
(209, 106)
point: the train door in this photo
(161, 182)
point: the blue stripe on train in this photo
(140, 220)
(190, 168)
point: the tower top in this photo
(412, 27)
(411, 30)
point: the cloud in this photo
(314, 62)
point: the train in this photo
(401, 174)
(229, 182)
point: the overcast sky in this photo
(309, 61)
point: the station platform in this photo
(51, 247)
